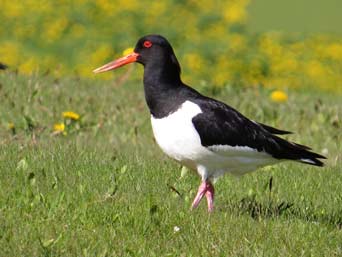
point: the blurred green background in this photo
(302, 16)
(276, 44)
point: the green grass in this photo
(105, 189)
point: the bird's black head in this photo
(151, 51)
(155, 49)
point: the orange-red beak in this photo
(132, 57)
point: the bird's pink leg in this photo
(207, 189)
(201, 192)
(210, 196)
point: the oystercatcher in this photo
(202, 133)
(3, 66)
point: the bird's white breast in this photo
(176, 134)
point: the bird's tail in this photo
(298, 152)
(313, 159)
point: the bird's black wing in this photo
(274, 130)
(219, 124)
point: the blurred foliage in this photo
(210, 39)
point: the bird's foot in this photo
(207, 189)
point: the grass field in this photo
(105, 189)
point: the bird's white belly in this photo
(178, 138)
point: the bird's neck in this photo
(162, 71)
(161, 85)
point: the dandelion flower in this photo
(71, 115)
(11, 125)
(59, 127)
(236, 11)
(128, 51)
(278, 96)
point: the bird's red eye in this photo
(147, 44)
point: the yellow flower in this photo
(11, 125)
(315, 69)
(278, 96)
(128, 51)
(10, 53)
(59, 127)
(71, 115)
(236, 11)
(334, 51)
(55, 28)
(29, 66)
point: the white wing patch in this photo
(307, 161)
(232, 150)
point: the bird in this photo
(3, 66)
(202, 133)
